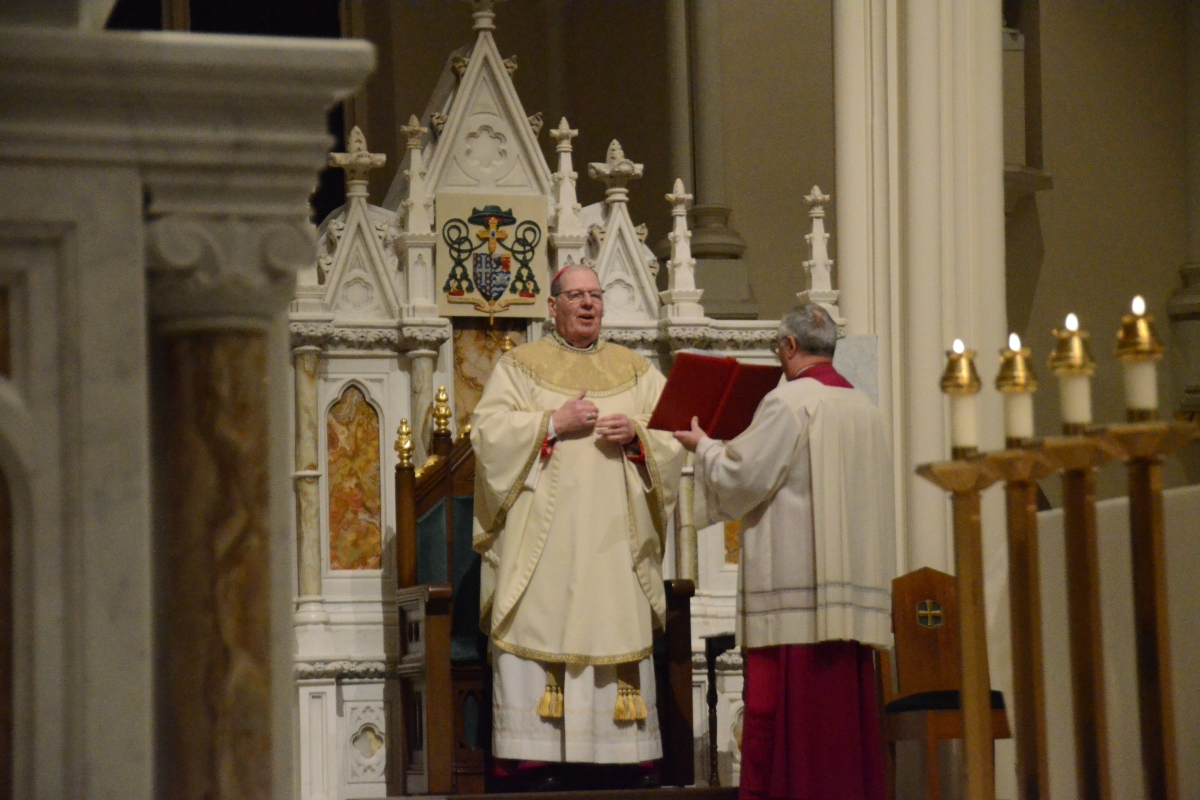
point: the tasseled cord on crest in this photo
(551, 704)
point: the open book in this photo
(721, 391)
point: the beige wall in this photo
(777, 57)
(1114, 224)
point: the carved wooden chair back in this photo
(925, 622)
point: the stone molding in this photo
(345, 669)
(226, 104)
(406, 338)
(226, 133)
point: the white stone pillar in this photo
(865, 81)
(311, 618)
(921, 247)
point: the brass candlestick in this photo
(1143, 446)
(1072, 362)
(1079, 456)
(1021, 468)
(965, 479)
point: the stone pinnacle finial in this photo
(357, 161)
(679, 199)
(563, 134)
(615, 172)
(817, 200)
(414, 132)
(484, 15)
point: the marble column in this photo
(311, 616)
(226, 235)
(421, 392)
(679, 91)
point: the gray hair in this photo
(812, 327)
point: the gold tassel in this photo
(630, 706)
(551, 704)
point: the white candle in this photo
(963, 419)
(1075, 396)
(1141, 374)
(1018, 415)
(963, 413)
(1075, 387)
(1141, 385)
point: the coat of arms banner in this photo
(491, 255)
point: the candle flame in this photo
(1139, 305)
(1014, 342)
(958, 346)
(1072, 323)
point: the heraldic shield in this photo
(493, 257)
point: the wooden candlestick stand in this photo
(965, 479)
(1020, 469)
(1143, 445)
(1079, 456)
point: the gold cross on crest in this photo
(491, 235)
(929, 614)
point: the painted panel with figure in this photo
(355, 496)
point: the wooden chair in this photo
(926, 707)
(445, 678)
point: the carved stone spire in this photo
(416, 205)
(682, 298)
(566, 204)
(819, 265)
(616, 171)
(358, 162)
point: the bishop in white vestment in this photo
(811, 481)
(572, 499)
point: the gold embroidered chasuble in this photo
(572, 542)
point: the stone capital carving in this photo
(344, 670)
(209, 271)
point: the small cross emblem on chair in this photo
(929, 614)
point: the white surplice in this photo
(811, 480)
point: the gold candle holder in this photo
(1072, 362)
(1138, 349)
(961, 382)
(1017, 382)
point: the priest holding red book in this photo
(811, 480)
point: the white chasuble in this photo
(572, 538)
(811, 480)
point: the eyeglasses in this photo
(778, 342)
(575, 296)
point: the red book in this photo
(722, 392)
